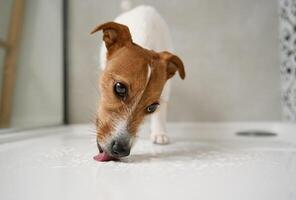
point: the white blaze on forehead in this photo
(139, 97)
(148, 74)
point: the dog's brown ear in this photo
(173, 64)
(115, 35)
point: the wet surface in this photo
(202, 162)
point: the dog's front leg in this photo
(158, 125)
(159, 118)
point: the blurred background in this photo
(239, 57)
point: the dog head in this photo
(130, 87)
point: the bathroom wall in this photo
(229, 47)
(38, 93)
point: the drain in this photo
(256, 133)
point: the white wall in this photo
(38, 91)
(229, 47)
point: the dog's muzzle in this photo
(119, 147)
(99, 147)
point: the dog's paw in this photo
(159, 138)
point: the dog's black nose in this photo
(120, 149)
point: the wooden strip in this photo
(10, 61)
(3, 44)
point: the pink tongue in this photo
(101, 157)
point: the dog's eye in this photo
(152, 107)
(120, 90)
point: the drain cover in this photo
(256, 133)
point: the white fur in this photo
(120, 128)
(158, 122)
(148, 74)
(149, 30)
(119, 131)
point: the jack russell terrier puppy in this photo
(135, 80)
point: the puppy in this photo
(134, 82)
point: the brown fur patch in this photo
(128, 63)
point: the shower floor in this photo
(204, 161)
